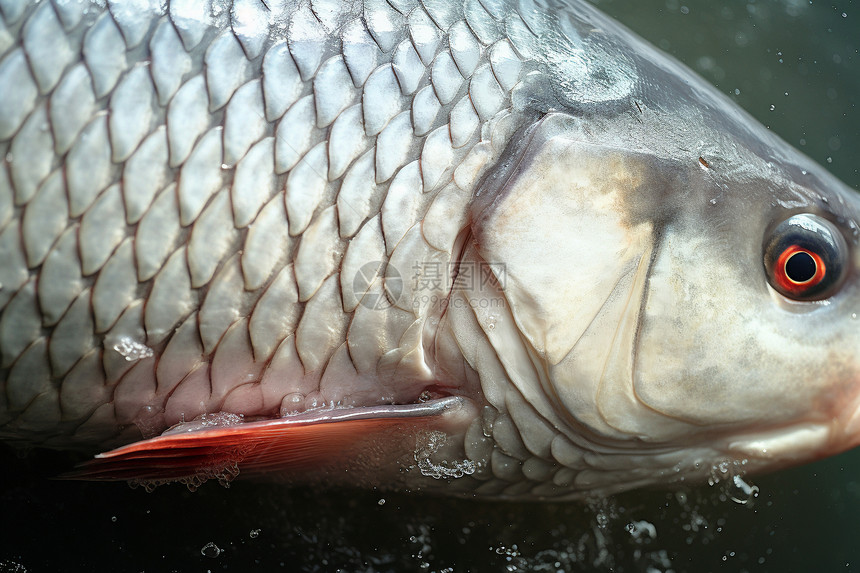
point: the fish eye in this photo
(804, 257)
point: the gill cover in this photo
(575, 224)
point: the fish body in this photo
(499, 248)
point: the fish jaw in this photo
(782, 447)
(770, 450)
(848, 429)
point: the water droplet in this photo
(772, 107)
(742, 492)
(132, 350)
(210, 550)
(640, 530)
(854, 315)
(431, 443)
(314, 401)
(381, 501)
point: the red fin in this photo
(309, 443)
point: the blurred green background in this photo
(795, 66)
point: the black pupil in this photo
(800, 267)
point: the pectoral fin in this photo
(366, 441)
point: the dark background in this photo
(795, 66)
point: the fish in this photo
(486, 248)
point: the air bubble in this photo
(254, 533)
(210, 550)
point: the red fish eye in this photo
(798, 269)
(805, 257)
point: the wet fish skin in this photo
(183, 144)
(254, 209)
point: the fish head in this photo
(678, 311)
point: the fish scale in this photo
(264, 132)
